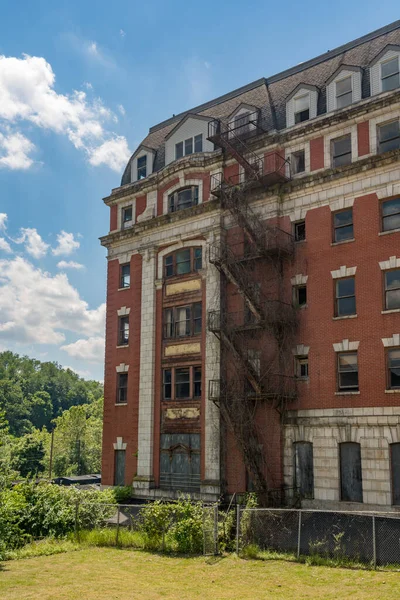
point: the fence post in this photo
(117, 535)
(77, 537)
(237, 527)
(299, 536)
(374, 541)
(216, 552)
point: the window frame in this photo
(337, 96)
(296, 300)
(389, 386)
(193, 370)
(335, 157)
(385, 62)
(379, 127)
(123, 340)
(121, 276)
(122, 390)
(124, 221)
(299, 361)
(342, 463)
(174, 322)
(173, 198)
(387, 290)
(338, 298)
(347, 388)
(383, 217)
(295, 233)
(139, 175)
(300, 112)
(336, 228)
(193, 262)
(190, 141)
(293, 157)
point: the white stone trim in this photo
(125, 257)
(343, 271)
(345, 346)
(299, 279)
(393, 341)
(123, 311)
(392, 189)
(122, 368)
(298, 215)
(177, 246)
(342, 203)
(119, 444)
(392, 263)
(386, 117)
(182, 184)
(301, 350)
(120, 208)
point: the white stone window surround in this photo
(342, 73)
(122, 368)
(120, 209)
(183, 183)
(178, 246)
(343, 271)
(296, 148)
(123, 311)
(299, 279)
(301, 350)
(333, 135)
(119, 444)
(346, 346)
(301, 91)
(391, 51)
(391, 342)
(392, 263)
(373, 128)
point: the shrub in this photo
(122, 493)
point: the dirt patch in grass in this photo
(111, 574)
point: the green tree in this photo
(28, 454)
(41, 410)
(15, 406)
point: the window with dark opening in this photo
(142, 167)
(187, 147)
(119, 467)
(390, 74)
(388, 137)
(127, 216)
(125, 276)
(197, 382)
(304, 469)
(341, 151)
(298, 162)
(300, 231)
(300, 295)
(347, 372)
(393, 358)
(123, 331)
(301, 364)
(167, 384)
(392, 289)
(350, 472)
(391, 214)
(122, 388)
(343, 225)
(182, 383)
(182, 321)
(183, 261)
(395, 472)
(182, 199)
(345, 297)
(302, 108)
(344, 93)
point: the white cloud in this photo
(88, 85)
(4, 245)
(91, 349)
(15, 149)
(3, 221)
(114, 153)
(27, 94)
(66, 244)
(121, 109)
(81, 372)
(63, 264)
(122, 33)
(37, 307)
(34, 245)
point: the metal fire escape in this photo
(268, 318)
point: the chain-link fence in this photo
(125, 525)
(364, 538)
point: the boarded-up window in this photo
(304, 469)
(180, 461)
(119, 471)
(350, 472)
(395, 466)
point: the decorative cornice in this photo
(343, 271)
(345, 346)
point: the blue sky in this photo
(80, 84)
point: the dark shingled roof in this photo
(270, 94)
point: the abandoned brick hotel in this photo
(253, 292)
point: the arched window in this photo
(304, 469)
(184, 198)
(183, 262)
(350, 472)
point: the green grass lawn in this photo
(111, 574)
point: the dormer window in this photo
(344, 92)
(301, 108)
(142, 167)
(241, 124)
(189, 146)
(184, 198)
(390, 74)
